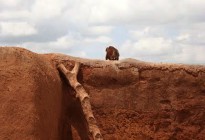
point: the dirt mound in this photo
(131, 99)
(30, 96)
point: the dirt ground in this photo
(130, 99)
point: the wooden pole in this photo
(84, 99)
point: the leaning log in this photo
(84, 99)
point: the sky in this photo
(169, 31)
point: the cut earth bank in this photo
(130, 99)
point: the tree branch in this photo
(84, 99)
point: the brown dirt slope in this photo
(30, 106)
(131, 99)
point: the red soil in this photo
(130, 99)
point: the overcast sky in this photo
(149, 30)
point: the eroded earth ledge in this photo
(131, 100)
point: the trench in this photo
(74, 125)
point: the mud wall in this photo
(30, 96)
(138, 100)
(36, 101)
(130, 99)
(135, 100)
